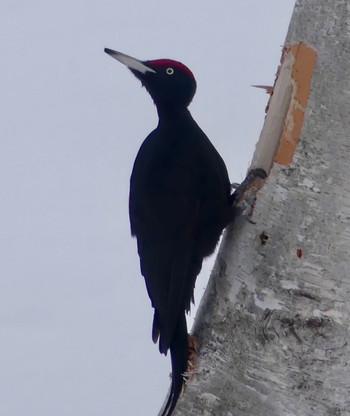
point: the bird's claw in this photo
(235, 185)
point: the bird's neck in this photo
(172, 115)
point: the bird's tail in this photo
(179, 357)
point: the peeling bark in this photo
(274, 324)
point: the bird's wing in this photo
(167, 256)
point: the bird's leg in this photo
(244, 195)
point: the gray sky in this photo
(75, 319)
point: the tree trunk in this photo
(273, 326)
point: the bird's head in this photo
(170, 83)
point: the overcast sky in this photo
(75, 319)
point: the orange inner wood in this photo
(304, 58)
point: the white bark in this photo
(274, 324)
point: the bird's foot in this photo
(254, 179)
(244, 195)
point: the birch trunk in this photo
(274, 323)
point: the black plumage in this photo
(180, 202)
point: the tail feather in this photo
(179, 355)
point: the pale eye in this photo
(169, 71)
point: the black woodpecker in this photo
(180, 202)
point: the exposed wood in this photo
(303, 59)
(286, 107)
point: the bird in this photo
(179, 203)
